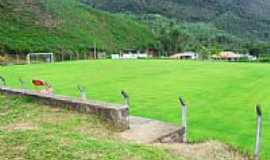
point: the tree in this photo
(172, 40)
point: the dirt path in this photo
(211, 150)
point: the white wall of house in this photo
(250, 57)
(115, 56)
(129, 56)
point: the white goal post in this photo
(49, 57)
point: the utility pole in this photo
(95, 50)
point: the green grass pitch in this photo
(221, 96)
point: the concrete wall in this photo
(116, 115)
(174, 137)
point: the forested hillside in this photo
(244, 18)
(204, 38)
(65, 26)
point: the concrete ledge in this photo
(144, 130)
(115, 114)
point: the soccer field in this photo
(221, 96)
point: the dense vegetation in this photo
(221, 96)
(202, 25)
(67, 26)
(74, 26)
(31, 131)
(244, 18)
(173, 36)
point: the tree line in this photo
(174, 38)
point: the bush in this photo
(244, 59)
(264, 59)
(3, 59)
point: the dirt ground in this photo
(211, 150)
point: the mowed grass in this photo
(221, 96)
(34, 132)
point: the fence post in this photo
(28, 59)
(22, 83)
(184, 109)
(70, 57)
(126, 98)
(52, 58)
(78, 56)
(258, 132)
(95, 51)
(2, 82)
(82, 92)
(85, 56)
(17, 59)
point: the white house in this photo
(185, 55)
(130, 55)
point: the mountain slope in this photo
(65, 26)
(243, 18)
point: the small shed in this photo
(250, 57)
(152, 52)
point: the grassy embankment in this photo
(31, 131)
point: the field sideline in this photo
(221, 96)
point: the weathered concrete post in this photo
(127, 105)
(258, 132)
(22, 84)
(82, 92)
(126, 98)
(184, 109)
(2, 81)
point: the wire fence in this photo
(7, 59)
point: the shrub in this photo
(3, 59)
(264, 59)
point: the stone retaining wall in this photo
(116, 115)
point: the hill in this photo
(65, 26)
(244, 18)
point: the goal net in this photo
(40, 58)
